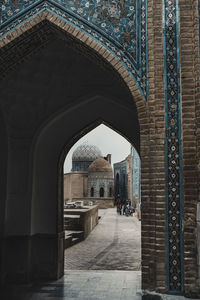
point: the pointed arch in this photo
(117, 116)
(78, 34)
(132, 54)
(51, 143)
(101, 192)
(92, 192)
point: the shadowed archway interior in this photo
(49, 101)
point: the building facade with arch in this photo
(121, 181)
(100, 179)
(142, 63)
(127, 181)
(91, 178)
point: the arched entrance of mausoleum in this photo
(62, 101)
(44, 118)
(61, 132)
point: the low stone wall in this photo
(100, 202)
(88, 218)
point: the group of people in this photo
(124, 207)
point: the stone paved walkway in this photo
(85, 285)
(93, 268)
(114, 244)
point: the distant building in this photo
(136, 181)
(127, 180)
(121, 180)
(91, 177)
(100, 179)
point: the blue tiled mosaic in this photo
(199, 20)
(173, 147)
(119, 25)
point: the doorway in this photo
(112, 249)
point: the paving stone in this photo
(100, 261)
(113, 245)
(80, 285)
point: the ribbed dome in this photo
(100, 165)
(86, 152)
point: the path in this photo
(114, 244)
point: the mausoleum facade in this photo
(91, 177)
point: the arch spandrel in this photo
(118, 25)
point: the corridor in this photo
(114, 244)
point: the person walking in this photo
(119, 205)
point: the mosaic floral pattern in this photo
(199, 20)
(113, 10)
(173, 147)
(120, 25)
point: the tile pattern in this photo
(86, 152)
(121, 26)
(173, 148)
(199, 18)
(83, 156)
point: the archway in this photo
(156, 118)
(101, 192)
(114, 107)
(50, 161)
(47, 122)
(92, 192)
(110, 192)
(114, 244)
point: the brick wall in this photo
(189, 56)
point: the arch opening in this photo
(92, 192)
(99, 183)
(101, 192)
(111, 104)
(110, 192)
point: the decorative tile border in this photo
(199, 19)
(173, 148)
(121, 26)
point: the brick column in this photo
(153, 168)
(189, 63)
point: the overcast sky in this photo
(107, 140)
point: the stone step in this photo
(75, 241)
(73, 237)
(68, 241)
(74, 233)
